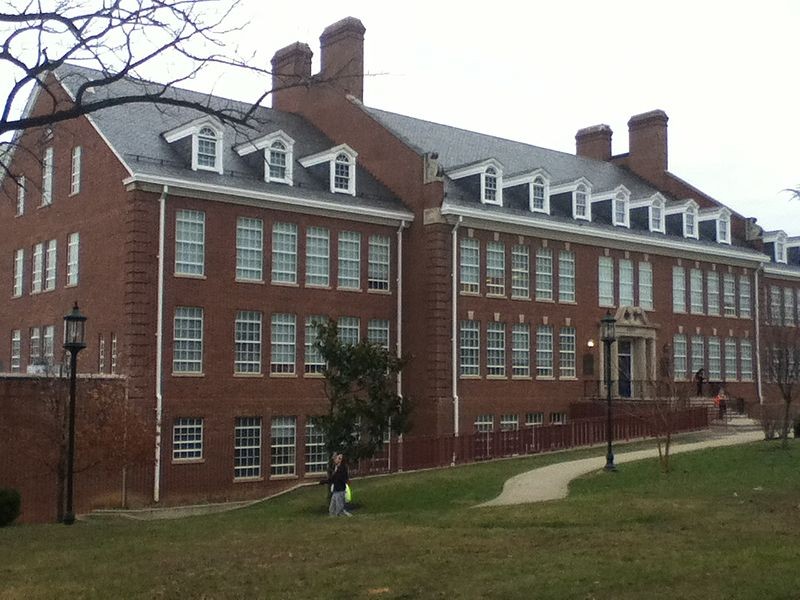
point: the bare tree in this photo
(781, 361)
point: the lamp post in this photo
(609, 335)
(74, 336)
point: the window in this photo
(277, 161)
(520, 272)
(484, 423)
(188, 342)
(605, 277)
(19, 267)
(342, 174)
(620, 210)
(729, 294)
(50, 266)
(470, 266)
(724, 230)
(544, 351)
(698, 353)
(495, 269)
(534, 419)
(520, 350)
(646, 285)
(566, 276)
(657, 217)
(744, 297)
(730, 360)
(190, 234)
(470, 347)
(679, 356)
(187, 439)
(283, 343)
(207, 155)
(47, 177)
(566, 353)
(625, 282)
(48, 347)
(38, 268)
(580, 205)
(247, 448)
(378, 263)
(538, 195)
(35, 346)
(101, 354)
(797, 305)
(788, 307)
(16, 350)
(316, 455)
(509, 422)
(249, 249)
(21, 196)
(349, 260)
(113, 353)
(314, 364)
(317, 256)
(284, 441)
(696, 291)
(378, 332)
(712, 291)
(690, 223)
(247, 342)
(714, 358)
(746, 352)
(75, 175)
(558, 418)
(775, 306)
(490, 188)
(349, 330)
(284, 253)
(678, 290)
(73, 255)
(544, 274)
(496, 349)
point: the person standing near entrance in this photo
(721, 402)
(699, 378)
(338, 480)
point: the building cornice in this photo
(773, 270)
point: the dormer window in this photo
(690, 223)
(581, 202)
(780, 250)
(780, 245)
(277, 148)
(538, 195)
(621, 210)
(489, 186)
(724, 229)
(206, 142)
(341, 161)
(657, 216)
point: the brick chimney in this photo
(594, 142)
(342, 56)
(647, 153)
(291, 68)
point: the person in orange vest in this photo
(721, 402)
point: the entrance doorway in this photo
(625, 365)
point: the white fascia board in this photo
(774, 236)
(612, 194)
(784, 272)
(263, 142)
(277, 200)
(709, 214)
(524, 178)
(327, 155)
(476, 168)
(571, 186)
(618, 235)
(681, 206)
(193, 126)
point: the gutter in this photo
(162, 217)
(454, 331)
(757, 312)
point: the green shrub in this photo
(9, 506)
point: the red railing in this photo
(413, 453)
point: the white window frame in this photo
(788, 307)
(247, 438)
(520, 272)
(582, 196)
(284, 253)
(47, 177)
(495, 269)
(696, 295)
(379, 250)
(540, 183)
(113, 353)
(775, 305)
(267, 145)
(277, 167)
(656, 216)
(625, 289)
(566, 277)
(348, 276)
(492, 186)
(678, 289)
(746, 360)
(48, 344)
(313, 363)
(728, 295)
(283, 446)
(620, 201)
(75, 173)
(196, 129)
(378, 332)
(318, 257)
(34, 345)
(190, 243)
(249, 249)
(187, 344)
(316, 455)
(206, 143)
(37, 271)
(713, 293)
(331, 156)
(714, 358)
(101, 354)
(469, 266)
(605, 281)
(283, 344)
(679, 358)
(342, 174)
(534, 419)
(544, 352)
(21, 189)
(187, 439)
(691, 225)
(469, 349)
(646, 285)
(698, 343)
(349, 330)
(495, 349)
(724, 229)
(19, 270)
(730, 364)
(521, 351)
(509, 422)
(73, 258)
(484, 424)
(247, 342)
(15, 363)
(745, 303)
(50, 265)
(544, 275)
(558, 418)
(567, 353)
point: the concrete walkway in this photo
(552, 482)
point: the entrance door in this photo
(625, 353)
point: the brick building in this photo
(202, 254)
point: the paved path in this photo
(552, 482)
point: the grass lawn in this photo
(724, 524)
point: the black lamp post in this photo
(74, 341)
(609, 335)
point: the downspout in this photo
(758, 333)
(399, 343)
(454, 331)
(162, 217)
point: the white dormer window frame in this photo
(618, 195)
(491, 172)
(656, 212)
(271, 144)
(204, 131)
(581, 190)
(780, 242)
(689, 211)
(342, 161)
(722, 222)
(538, 183)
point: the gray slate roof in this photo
(135, 132)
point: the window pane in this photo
(349, 330)
(544, 351)
(284, 440)
(284, 253)
(605, 277)
(317, 256)
(566, 352)
(566, 276)
(248, 342)
(247, 448)
(190, 231)
(349, 260)
(378, 263)
(313, 360)
(187, 439)
(188, 342)
(544, 274)
(496, 349)
(521, 350)
(249, 249)
(316, 456)
(678, 289)
(626, 282)
(469, 349)
(283, 343)
(520, 272)
(470, 266)
(646, 285)
(496, 268)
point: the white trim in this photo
(719, 215)
(327, 155)
(194, 128)
(265, 143)
(162, 219)
(782, 272)
(475, 168)
(355, 213)
(683, 208)
(780, 240)
(191, 128)
(498, 185)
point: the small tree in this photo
(360, 383)
(781, 358)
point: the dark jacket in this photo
(339, 478)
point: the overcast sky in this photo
(726, 73)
